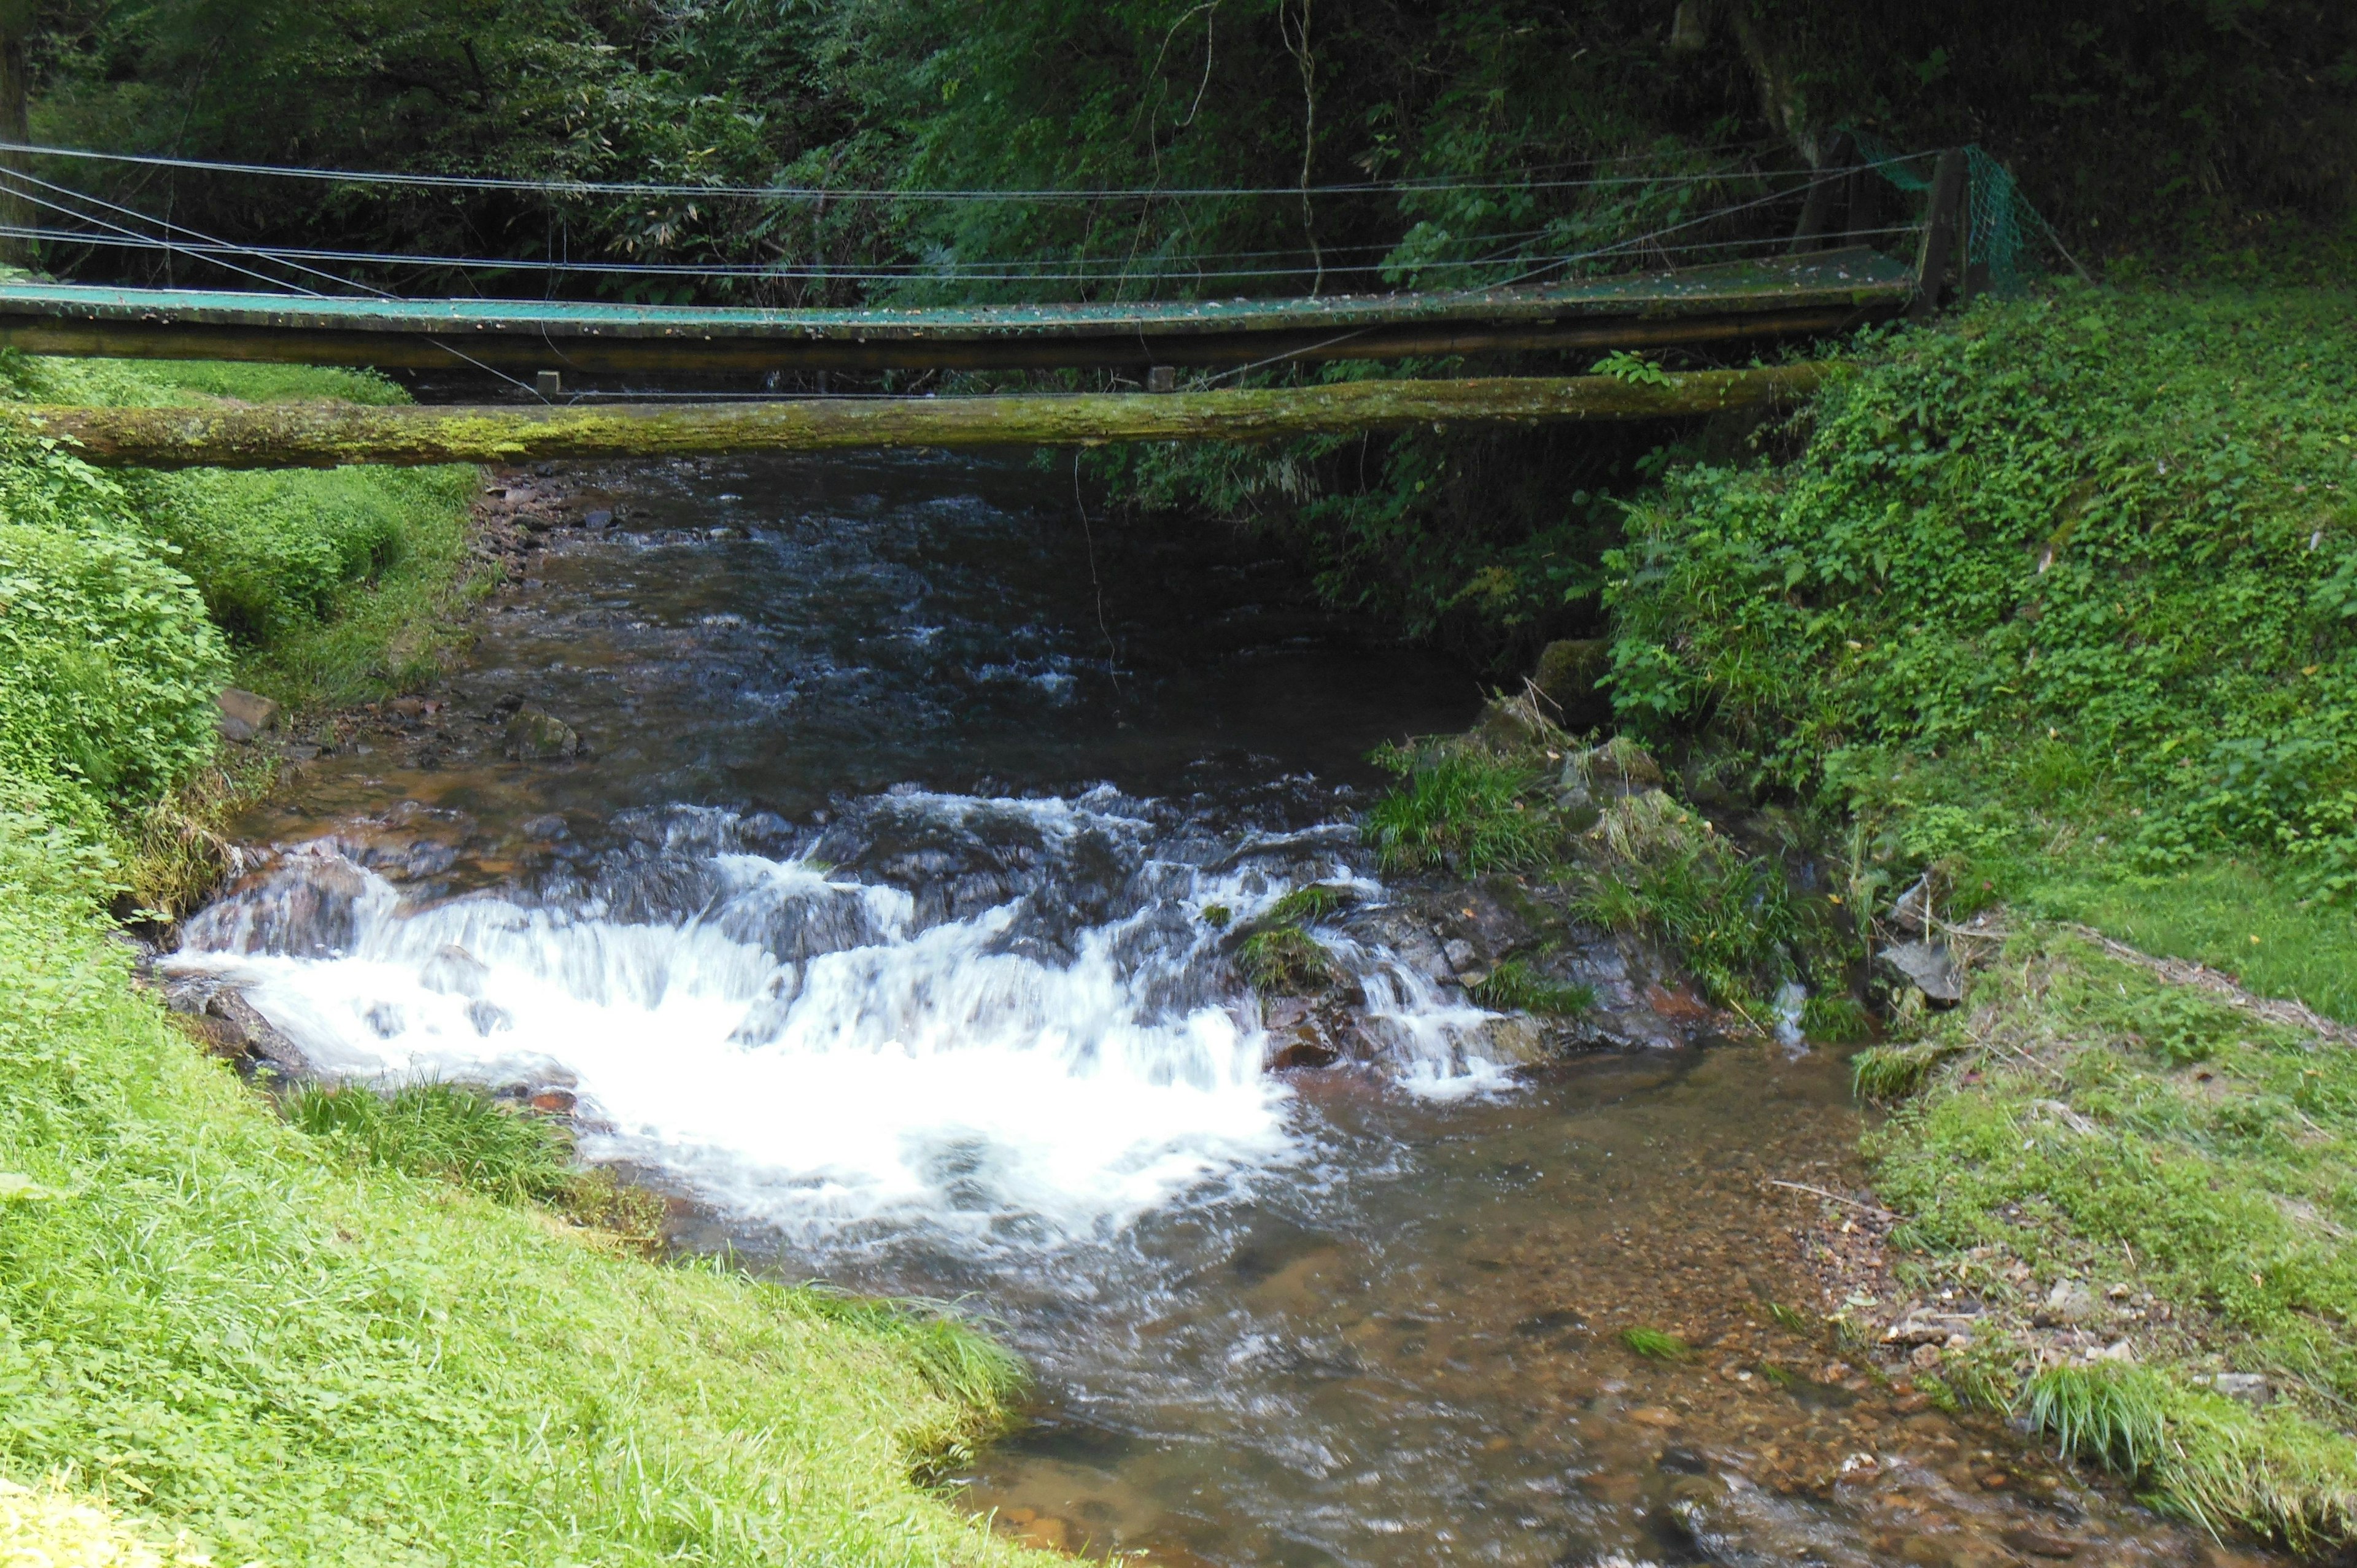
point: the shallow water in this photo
(875, 923)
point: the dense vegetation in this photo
(362, 1333)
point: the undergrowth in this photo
(2084, 1118)
(1514, 985)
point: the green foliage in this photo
(1514, 986)
(241, 1332)
(2111, 520)
(1654, 1344)
(1217, 916)
(1457, 807)
(1893, 1072)
(1284, 961)
(1627, 365)
(446, 1130)
(2112, 1120)
(1304, 906)
(2110, 1413)
(1659, 868)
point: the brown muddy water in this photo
(877, 921)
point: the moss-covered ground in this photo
(357, 1333)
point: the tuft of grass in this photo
(1792, 1319)
(1660, 870)
(1457, 808)
(1654, 1344)
(2116, 1414)
(452, 1131)
(1304, 906)
(1217, 916)
(1836, 1018)
(1284, 962)
(1888, 1073)
(1513, 985)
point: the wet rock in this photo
(1459, 955)
(2248, 1387)
(2069, 1303)
(1911, 915)
(238, 1028)
(1928, 967)
(599, 518)
(533, 736)
(544, 829)
(1298, 1037)
(2033, 1543)
(244, 715)
(552, 1102)
(1567, 675)
(455, 972)
(488, 1017)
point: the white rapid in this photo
(1000, 1022)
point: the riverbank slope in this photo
(2040, 620)
(227, 1327)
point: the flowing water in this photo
(879, 921)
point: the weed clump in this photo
(1459, 809)
(1284, 961)
(1513, 985)
(451, 1131)
(1888, 1073)
(2116, 1414)
(1654, 1344)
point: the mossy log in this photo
(326, 436)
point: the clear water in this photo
(875, 924)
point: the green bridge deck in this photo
(1797, 295)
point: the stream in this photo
(878, 922)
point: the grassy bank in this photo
(365, 1334)
(2053, 606)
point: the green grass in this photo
(1304, 906)
(1654, 1344)
(2206, 1157)
(2116, 1414)
(1514, 986)
(1460, 808)
(452, 1131)
(224, 1324)
(1284, 961)
(330, 586)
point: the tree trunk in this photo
(326, 436)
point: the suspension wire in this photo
(8, 175)
(1525, 277)
(1440, 184)
(286, 255)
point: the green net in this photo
(2005, 235)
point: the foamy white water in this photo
(801, 1048)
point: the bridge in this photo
(1806, 290)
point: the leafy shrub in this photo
(2122, 523)
(108, 665)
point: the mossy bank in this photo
(347, 1339)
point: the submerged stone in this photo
(536, 736)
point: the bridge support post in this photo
(1942, 220)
